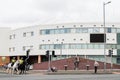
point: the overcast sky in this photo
(22, 13)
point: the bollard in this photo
(65, 66)
(87, 67)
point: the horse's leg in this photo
(13, 69)
(17, 71)
(7, 70)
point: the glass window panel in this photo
(63, 46)
(51, 46)
(47, 47)
(101, 30)
(90, 30)
(57, 31)
(67, 46)
(52, 31)
(96, 30)
(57, 46)
(101, 46)
(42, 32)
(42, 46)
(118, 30)
(62, 31)
(78, 46)
(78, 30)
(32, 33)
(84, 30)
(73, 30)
(73, 46)
(96, 46)
(113, 30)
(118, 46)
(67, 30)
(47, 31)
(109, 30)
(90, 46)
(111, 46)
(84, 46)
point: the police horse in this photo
(9, 67)
(15, 67)
(19, 69)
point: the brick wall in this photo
(70, 62)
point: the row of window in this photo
(12, 49)
(25, 34)
(69, 46)
(28, 34)
(79, 30)
(70, 30)
(78, 46)
(12, 36)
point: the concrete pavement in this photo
(73, 72)
(69, 72)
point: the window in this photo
(96, 46)
(96, 38)
(67, 46)
(90, 30)
(78, 30)
(109, 30)
(90, 46)
(113, 30)
(47, 31)
(42, 32)
(57, 46)
(52, 31)
(32, 33)
(14, 36)
(78, 46)
(12, 49)
(9, 49)
(96, 30)
(118, 30)
(84, 46)
(24, 34)
(73, 46)
(10, 37)
(84, 30)
(57, 31)
(23, 48)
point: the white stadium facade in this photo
(88, 40)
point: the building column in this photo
(39, 59)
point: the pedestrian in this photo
(96, 64)
(76, 63)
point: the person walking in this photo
(96, 64)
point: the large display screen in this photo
(97, 38)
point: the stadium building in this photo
(88, 40)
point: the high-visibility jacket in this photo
(21, 61)
(13, 60)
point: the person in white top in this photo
(96, 64)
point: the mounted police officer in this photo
(21, 60)
(21, 65)
(13, 61)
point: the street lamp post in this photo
(104, 33)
